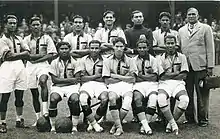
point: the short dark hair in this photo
(77, 16)
(59, 44)
(95, 41)
(118, 39)
(192, 8)
(109, 12)
(143, 41)
(169, 37)
(10, 16)
(134, 12)
(167, 14)
(34, 19)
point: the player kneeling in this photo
(65, 77)
(146, 86)
(119, 73)
(93, 85)
(173, 69)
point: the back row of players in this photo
(104, 72)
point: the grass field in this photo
(130, 129)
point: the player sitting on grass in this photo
(146, 86)
(119, 73)
(65, 77)
(93, 85)
(173, 69)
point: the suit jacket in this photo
(198, 46)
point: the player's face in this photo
(11, 25)
(36, 26)
(109, 19)
(94, 49)
(138, 19)
(78, 24)
(64, 51)
(119, 49)
(170, 45)
(142, 49)
(192, 16)
(164, 22)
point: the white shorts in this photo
(65, 91)
(35, 71)
(120, 88)
(172, 87)
(93, 88)
(13, 76)
(146, 87)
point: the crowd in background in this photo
(57, 32)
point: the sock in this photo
(18, 117)
(123, 113)
(75, 120)
(52, 122)
(167, 113)
(177, 113)
(149, 117)
(115, 117)
(2, 121)
(45, 108)
(145, 125)
(95, 125)
(38, 115)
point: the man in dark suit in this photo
(196, 41)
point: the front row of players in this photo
(121, 81)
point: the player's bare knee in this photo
(103, 97)
(43, 80)
(137, 98)
(74, 98)
(183, 102)
(112, 98)
(162, 99)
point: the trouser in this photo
(192, 85)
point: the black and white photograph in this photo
(96, 69)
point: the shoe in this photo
(134, 120)
(118, 132)
(175, 128)
(3, 128)
(168, 128)
(112, 130)
(20, 124)
(98, 128)
(203, 124)
(90, 128)
(142, 132)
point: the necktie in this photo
(119, 67)
(78, 42)
(14, 45)
(65, 69)
(143, 66)
(37, 45)
(109, 35)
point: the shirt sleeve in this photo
(154, 65)
(51, 49)
(4, 49)
(184, 64)
(154, 38)
(106, 68)
(53, 68)
(133, 66)
(159, 65)
(122, 34)
(98, 35)
(78, 66)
